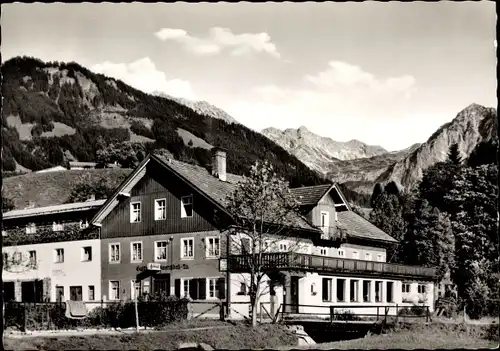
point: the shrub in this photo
(414, 310)
(493, 332)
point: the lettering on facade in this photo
(164, 267)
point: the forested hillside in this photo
(450, 221)
(55, 112)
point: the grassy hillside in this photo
(64, 109)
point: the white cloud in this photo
(342, 102)
(221, 38)
(143, 75)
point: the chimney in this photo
(91, 198)
(219, 163)
(31, 204)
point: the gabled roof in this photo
(310, 195)
(39, 211)
(198, 178)
(359, 227)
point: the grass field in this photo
(433, 336)
(222, 336)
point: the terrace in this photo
(322, 264)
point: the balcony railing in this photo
(297, 261)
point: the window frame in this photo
(380, 257)
(132, 203)
(137, 260)
(182, 249)
(183, 290)
(83, 254)
(355, 255)
(405, 291)
(110, 253)
(183, 209)
(32, 258)
(422, 288)
(91, 288)
(321, 251)
(368, 256)
(341, 250)
(207, 240)
(115, 298)
(157, 208)
(31, 228)
(207, 281)
(329, 284)
(56, 251)
(156, 259)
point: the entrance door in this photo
(162, 284)
(294, 294)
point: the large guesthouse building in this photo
(165, 229)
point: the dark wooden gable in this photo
(159, 183)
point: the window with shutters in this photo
(327, 289)
(405, 288)
(194, 288)
(91, 293)
(421, 288)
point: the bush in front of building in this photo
(414, 310)
(154, 311)
(346, 315)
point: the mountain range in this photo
(55, 112)
(359, 166)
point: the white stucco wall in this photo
(72, 272)
(306, 297)
(241, 303)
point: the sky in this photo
(387, 74)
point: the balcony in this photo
(322, 264)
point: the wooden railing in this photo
(297, 261)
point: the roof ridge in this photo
(312, 186)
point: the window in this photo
(187, 248)
(161, 250)
(185, 284)
(213, 288)
(59, 293)
(91, 293)
(4, 233)
(83, 224)
(31, 228)
(243, 289)
(324, 222)
(86, 253)
(245, 246)
(323, 251)
(75, 293)
(340, 290)
(135, 289)
(405, 288)
(5, 259)
(355, 255)
(213, 248)
(160, 209)
(421, 289)
(389, 288)
(59, 255)
(135, 212)
(354, 288)
(32, 257)
(379, 258)
(368, 256)
(341, 252)
(366, 291)
(17, 257)
(57, 227)
(187, 206)
(327, 288)
(114, 290)
(136, 251)
(283, 247)
(114, 252)
(378, 291)
(267, 246)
